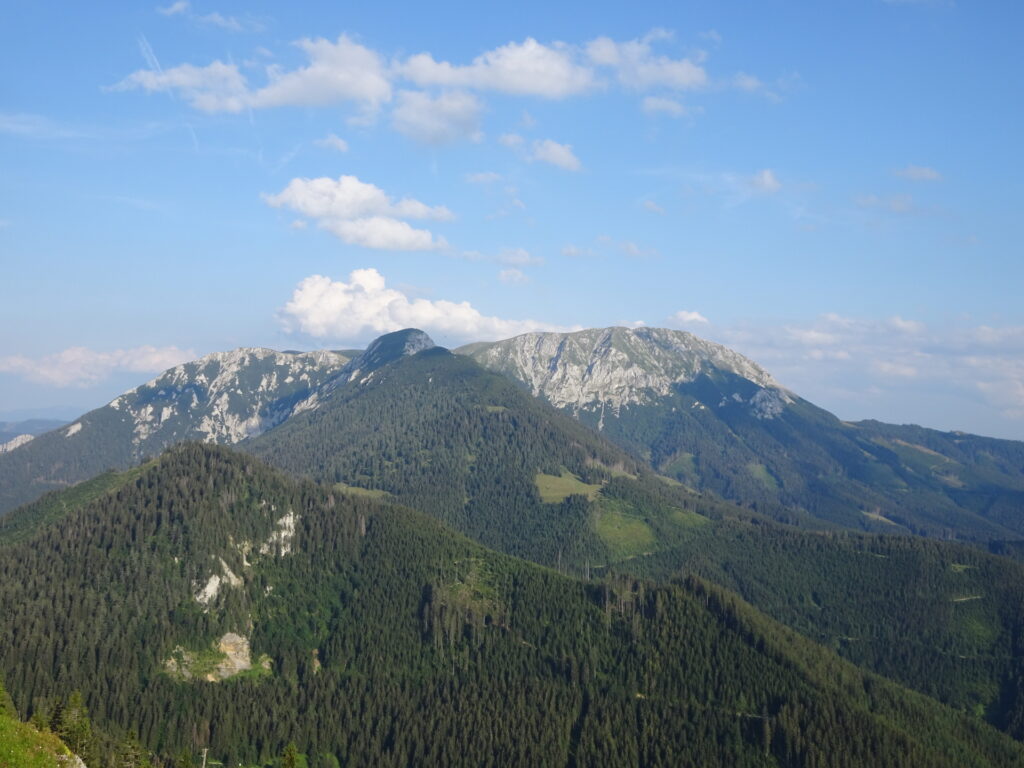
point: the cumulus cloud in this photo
(686, 317)
(553, 153)
(338, 310)
(437, 120)
(637, 66)
(361, 213)
(336, 72)
(217, 87)
(83, 367)
(919, 173)
(653, 207)
(333, 142)
(526, 69)
(340, 71)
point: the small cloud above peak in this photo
(686, 317)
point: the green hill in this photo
(212, 602)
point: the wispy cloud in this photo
(83, 367)
(35, 127)
(861, 362)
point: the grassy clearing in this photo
(688, 520)
(355, 490)
(554, 489)
(681, 465)
(760, 473)
(496, 408)
(961, 567)
(625, 533)
(23, 746)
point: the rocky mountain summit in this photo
(612, 367)
(222, 398)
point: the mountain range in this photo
(636, 529)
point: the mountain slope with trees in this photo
(706, 416)
(390, 640)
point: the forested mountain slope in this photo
(703, 414)
(221, 398)
(943, 618)
(212, 602)
(449, 438)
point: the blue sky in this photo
(831, 188)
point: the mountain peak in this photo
(615, 366)
(390, 347)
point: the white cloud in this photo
(181, 6)
(526, 69)
(943, 376)
(437, 120)
(637, 66)
(333, 142)
(82, 367)
(653, 207)
(510, 140)
(337, 72)
(361, 213)
(919, 173)
(560, 155)
(765, 181)
(659, 105)
(483, 177)
(513, 276)
(326, 308)
(688, 317)
(906, 326)
(217, 87)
